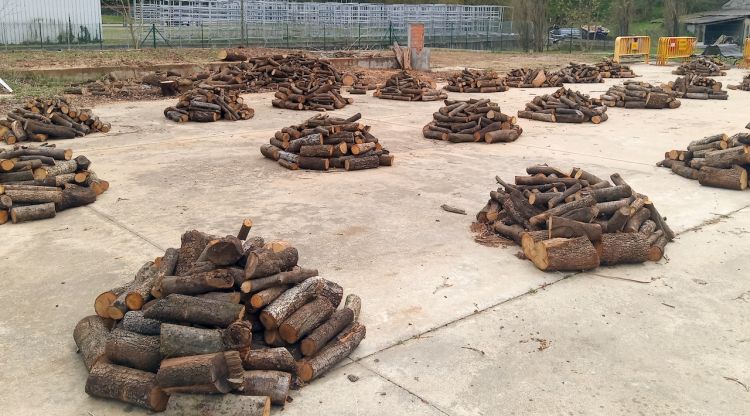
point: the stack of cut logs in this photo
(471, 80)
(532, 78)
(472, 121)
(700, 66)
(611, 69)
(314, 93)
(42, 119)
(324, 142)
(564, 106)
(207, 106)
(218, 315)
(570, 221)
(37, 182)
(360, 83)
(580, 74)
(719, 161)
(407, 87)
(635, 94)
(744, 86)
(697, 87)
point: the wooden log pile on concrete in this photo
(564, 106)
(473, 81)
(38, 182)
(611, 69)
(743, 86)
(696, 87)
(406, 86)
(222, 324)
(324, 142)
(634, 94)
(532, 78)
(701, 66)
(576, 73)
(360, 83)
(573, 220)
(718, 161)
(42, 119)
(314, 93)
(472, 121)
(203, 105)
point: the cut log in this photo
(90, 336)
(180, 341)
(19, 214)
(207, 373)
(266, 296)
(732, 178)
(313, 367)
(274, 384)
(305, 319)
(264, 262)
(247, 224)
(622, 248)
(34, 196)
(285, 305)
(224, 251)
(656, 251)
(636, 220)
(75, 196)
(565, 228)
(325, 332)
(193, 243)
(269, 359)
(128, 385)
(181, 308)
(133, 350)
(563, 254)
(201, 282)
(294, 276)
(134, 321)
(217, 405)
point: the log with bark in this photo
(472, 121)
(310, 93)
(696, 87)
(324, 142)
(37, 182)
(577, 73)
(217, 342)
(608, 68)
(635, 94)
(407, 86)
(532, 78)
(742, 86)
(701, 66)
(476, 81)
(565, 106)
(574, 220)
(718, 161)
(42, 119)
(208, 105)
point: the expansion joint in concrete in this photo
(125, 227)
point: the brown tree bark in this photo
(269, 359)
(274, 384)
(200, 283)
(207, 373)
(134, 321)
(133, 350)
(217, 405)
(565, 228)
(563, 254)
(732, 178)
(265, 262)
(294, 276)
(305, 319)
(90, 335)
(125, 384)
(622, 248)
(223, 252)
(181, 308)
(193, 243)
(313, 367)
(19, 214)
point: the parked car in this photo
(557, 34)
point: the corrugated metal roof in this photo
(716, 16)
(23, 20)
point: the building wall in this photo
(50, 21)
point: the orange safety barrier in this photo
(632, 46)
(672, 48)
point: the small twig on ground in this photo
(474, 349)
(452, 209)
(738, 382)
(666, 304)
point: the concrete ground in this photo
(454, 328)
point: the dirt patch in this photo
(454, 60)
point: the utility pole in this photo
(242, 25)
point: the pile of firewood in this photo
(42, 119)
(310, 94)
(408, 87)
(207, 106)
(571, 221)
(37, 182)
(701, 66)
(697, 87)
(472, 121)
(323, 142)
(611, 69)
(360, 83)
(564, 106)
(580, 74)
(218, 315)
(744, 86)
(532, 78)
(634, 94)
(719, 161)
(471, 80)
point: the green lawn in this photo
(111, 19)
